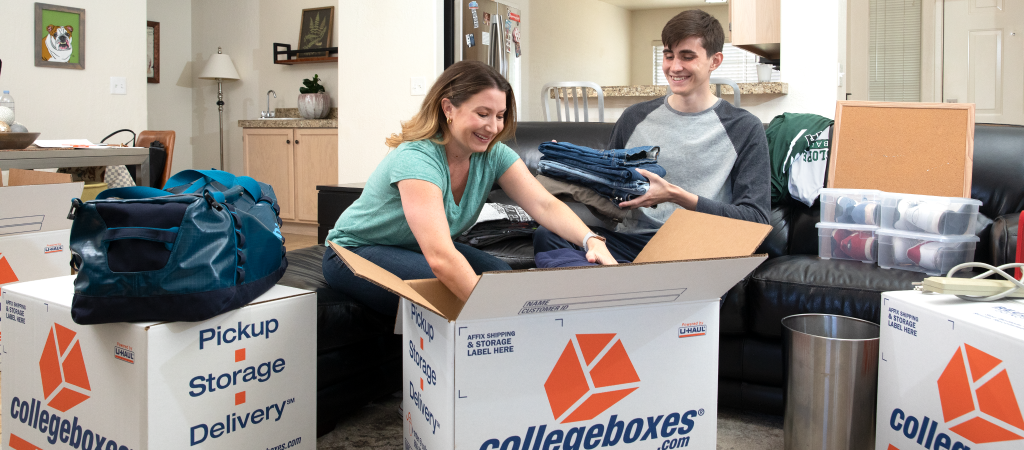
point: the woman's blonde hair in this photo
(458, 83)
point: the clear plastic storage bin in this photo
(946, 216)
(929, 253)
(853, 206)
(842, 241)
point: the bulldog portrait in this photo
(57, 43)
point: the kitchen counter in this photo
(776, 88)
(289, 118)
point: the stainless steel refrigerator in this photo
(491, 32)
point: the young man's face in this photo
(688, 67)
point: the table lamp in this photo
(219, 67)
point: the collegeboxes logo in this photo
(6, 272)
(62, 369)
(977, 398)
(593, 373)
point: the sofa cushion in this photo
(998, 168)
(798, 284)
(340, 320)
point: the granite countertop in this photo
(658, 91)
(289, 118)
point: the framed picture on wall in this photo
(315, 30)
(152, 52)
(59, 37)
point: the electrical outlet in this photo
(418, 86)
(118, 85)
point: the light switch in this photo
(118, 85)
(418, 86)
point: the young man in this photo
(715, 154)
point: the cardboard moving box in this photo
(950, 375)
(35, 232)
(621, 355)
(243, 379)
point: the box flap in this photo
(690, 235)
(438, 295)
(375, 274)
(508, 294)
(19, 177)
(28, 209)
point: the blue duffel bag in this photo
(210, 242)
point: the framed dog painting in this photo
(60, 37)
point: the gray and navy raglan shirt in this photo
(719, 154)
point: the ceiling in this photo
(654, 4)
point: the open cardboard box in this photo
(571, 356)
(34, 228)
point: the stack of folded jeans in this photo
(611, 173)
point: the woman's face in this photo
(476, 122)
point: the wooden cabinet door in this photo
(755, 22)
(316, 163)
(269, 158)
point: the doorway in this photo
(983, 58)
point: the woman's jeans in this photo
(405, 264)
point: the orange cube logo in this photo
(593, 373)
(62, 369)
(976, 394)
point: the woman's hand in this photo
(597, 252)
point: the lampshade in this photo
(219, 66)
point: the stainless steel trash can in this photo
(832, 382)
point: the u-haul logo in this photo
(977, 399)
(593, 373)
(124, 353)
(53, 248)
(692, 329)
(62, 369)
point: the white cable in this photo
(991, 270)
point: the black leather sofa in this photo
(360, 359)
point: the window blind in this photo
(737, 64)
(894, 53)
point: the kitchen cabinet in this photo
(755, 26)
(293, 161)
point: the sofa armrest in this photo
(1003, 241)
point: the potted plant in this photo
(314, 103)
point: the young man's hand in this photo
(661, 191)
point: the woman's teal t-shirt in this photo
(377, 218)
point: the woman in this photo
(433, 186)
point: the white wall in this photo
(810, 53)
(170, 100)
(646, 26)
(246, 30)
(383, 44)
(572, 40)
(67, 103)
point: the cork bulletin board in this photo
(913, 148)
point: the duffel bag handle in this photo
(166, 235)
(133, 192)
(228, 179)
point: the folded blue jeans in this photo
(618, 191)
(635, 156)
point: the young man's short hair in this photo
(694, 22)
